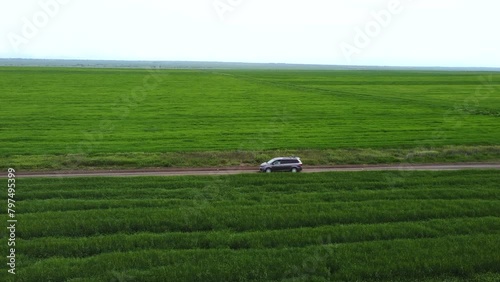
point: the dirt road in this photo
(239, 170)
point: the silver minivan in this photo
(292, 164)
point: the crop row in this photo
(190, 198)
(79, 247)
(463, 256)
(206, 217)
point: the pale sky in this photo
(461, 33)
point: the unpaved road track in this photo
(240, 170)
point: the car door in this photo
(277, 165)
(286, 165)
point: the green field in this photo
(62, 118)
(380, 226)
(433, 226)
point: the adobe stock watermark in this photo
(314, 264)
(120, 110)
(31, 26)
(12, 221)
(452, 119)
(363, 37)
(223, 7)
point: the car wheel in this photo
(268, 170)
(294, 170)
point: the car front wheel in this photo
(268, 170)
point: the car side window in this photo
(276, 163)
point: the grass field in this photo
(89, 118)
(428, 226)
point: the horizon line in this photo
(253, 63)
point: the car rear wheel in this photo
(294, 170)
(268, 170)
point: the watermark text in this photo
(11, 222)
